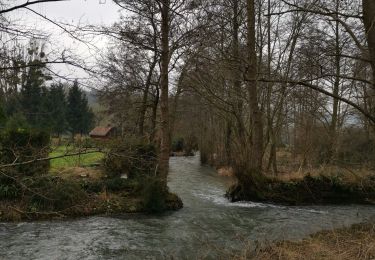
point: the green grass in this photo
(73, 161)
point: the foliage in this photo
(2, 116)
(178, 144)
(23, 145)
(133, 159)
(119, 184)
(33, 91)
(309, 190)
(9, 189)
(56, 105)
(356, 148)
(55, 193)
(79, 115)
(17, 121)
(154, 195)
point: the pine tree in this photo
(2, 116)
(33, 91)
(79, 115)
(55, 103)
(58, 105)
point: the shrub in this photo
(55, 193)
(132, 159)
(22, 145)
(178, 145)
(117, 184)
(92, 186)
(154, 195)
(356, 148)
(9, 191)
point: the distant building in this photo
(103, 132)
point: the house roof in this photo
(101, 131)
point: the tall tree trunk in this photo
(236, 73)
(369, 22)
(256, 153)
(145, 95)
(271, 131)
(155, 105)
(336, 90)
(164, 86)
(175, 103)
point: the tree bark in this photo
(256, 153)
(164, 86)
(336, 90)
(145, 95)
(369, 22)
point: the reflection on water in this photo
(208, 223)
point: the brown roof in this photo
(101, 131)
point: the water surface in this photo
(208, 223)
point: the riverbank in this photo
(326, 185)
(355, 242)
(76, 192)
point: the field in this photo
(73, 161)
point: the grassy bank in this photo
(81, 185)
(323, 185)
(77, 192)
(356, 242)
(73, 161)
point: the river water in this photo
(207, 224)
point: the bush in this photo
(21, 145)
(92, 186)
(356, 148)
(132, 159)
(117, 184)
(178, 145)
(9, 191)
(154, 195)
(55, 193)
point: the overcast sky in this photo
(96, 12)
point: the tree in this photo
(79, 115)
(369, 22)
(57, 105)
(33, 89)
(164, 86)
(2, 116)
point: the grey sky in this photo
(97, 12)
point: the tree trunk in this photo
(175, 104)
(164, 86)
(369, 22)
(145, 95)
(336, 90)
(256, 153)
(155, 105)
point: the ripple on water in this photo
(208, 221)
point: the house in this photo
(103, 132)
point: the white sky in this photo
(84, 12)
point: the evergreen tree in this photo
(79, 115)
(58, 107)
(33, 91)
(2, 116)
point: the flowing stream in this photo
(208, 224)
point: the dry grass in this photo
(346, 175)
(356, 242)
(290, 169)
(79, 172)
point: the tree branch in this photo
(28, 3)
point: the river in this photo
(207, 224)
